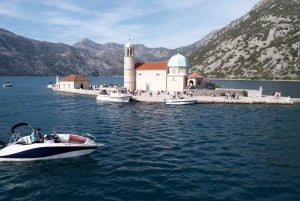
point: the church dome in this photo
(178, 60)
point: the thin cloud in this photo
(178, 5)
(65, 6)
(164, 23)
(11, 9)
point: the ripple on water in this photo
(156, 152)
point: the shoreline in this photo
(240, 79)
(209, 78)
(222, 99)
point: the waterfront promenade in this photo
(145, 97)
(222, 99)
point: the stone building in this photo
(166, 76)
(72, 82)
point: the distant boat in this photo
(50, 85)
(7, 84)
(113, 95)
(181, 101)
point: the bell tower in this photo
(129, 66)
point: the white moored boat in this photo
(53, 146)
(182, 101)
(113, 95)
(7, 84)
(50, 85)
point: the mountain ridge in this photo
(25, 56)
(262, 44)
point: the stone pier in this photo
(221, 99)
(208, 99)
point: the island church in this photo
(167, 76)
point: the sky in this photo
(154, 23)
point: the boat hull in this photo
(7, 85)
(44, 147)
(40, 151)
(109, 98)
(113, 95)
(181, 102)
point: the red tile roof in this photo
(152, 66)
(74, 78)
(195, 76)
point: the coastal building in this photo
(129, 67)
(72, 82)
(195, 81)
(178, 67)
(167, 76)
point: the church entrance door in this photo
(147, 87)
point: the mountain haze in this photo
(113, 53)
(24, 56)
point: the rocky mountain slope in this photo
(24, 56)
(265, 43)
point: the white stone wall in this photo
(73, 85)
(155, 79)
(176, 83)
(251, 93)
(129, 79)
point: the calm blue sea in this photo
(154, 151)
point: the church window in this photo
(173, 71)
(182, 71)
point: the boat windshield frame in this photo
(15, 136)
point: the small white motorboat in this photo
(181, 101)
(53, 146)
(113, 95)
(7, 84)
(50, 85)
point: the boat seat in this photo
(75, 139)
(24, 140)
